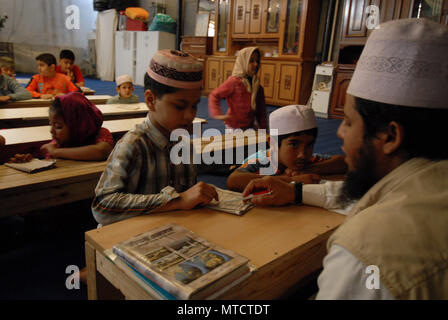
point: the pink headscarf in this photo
(81, 116)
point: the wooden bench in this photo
(29, 117)
(35, 103)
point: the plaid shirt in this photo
(139, 176)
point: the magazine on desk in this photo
(181, 263)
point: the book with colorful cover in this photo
(181, 263)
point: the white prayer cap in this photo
(123, 79)
(293, 118)
(404, 62)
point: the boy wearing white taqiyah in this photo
(293, 132)
(125, 90)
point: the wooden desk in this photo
(35, 103)
(87, 91)
(70, 181)
(29, 139)
(286, 244)
(227, 141)
(30, 117)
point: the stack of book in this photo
(173, 263)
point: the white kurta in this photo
(344, 278)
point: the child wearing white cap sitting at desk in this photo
(292, 146)
(125, 90)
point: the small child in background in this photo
(125, 88)
(7, 67)
(76, 130)
(243, 93)
(66, 66)
(11, 90)
(297, 133)
(49, 83)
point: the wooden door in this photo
(341, 82)
(256, 17)
(287, 82)
(227, 68)
(239, 17)
(267, 78)
(213, 72)
(271, 18)
(354, 30)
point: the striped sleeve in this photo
(115, 195)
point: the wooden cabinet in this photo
(221, 40)
(342, 77)
(249, 16)
(284, 31)
(217, 70)
(199, 47)
(280, 81)
(355, 31)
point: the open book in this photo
(35, 165)
(230, 202)
(181, 263)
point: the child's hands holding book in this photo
(199, 194)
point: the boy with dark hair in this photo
(292, 146)
(140, 177)
(48, 83)
(66, 66)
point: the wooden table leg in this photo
(92, 292)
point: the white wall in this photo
(36, 26)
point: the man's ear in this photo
(392, 139)
(118, 89)
(150, 99)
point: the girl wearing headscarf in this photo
(243, 93)
(76, 130)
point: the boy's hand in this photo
(70, 74)
(282, 192)
(200, 193)
(49, 148)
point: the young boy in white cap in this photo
(292, 145)
(394, 242)
(125, 90)
(140, 177)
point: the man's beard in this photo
(361, 179)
